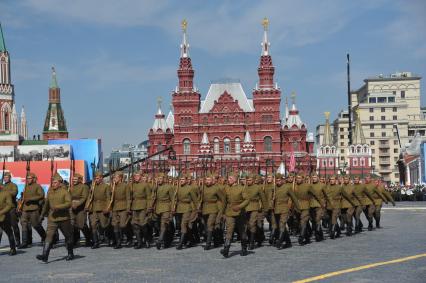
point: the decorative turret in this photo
(170, 120)
(358, 134)
(266, 68)
(160, 121)
(54, 125)
(160, 135)
(14, 121)
(205, 148)
(293, 120)
(327, 154)
(327, 140)
(185, 72)
(23, 128)
(248, 146)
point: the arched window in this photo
(6, 121)
(267, 143)
(5, 116)
(216, 145)
(226, 145)
(186, 146)
(237, 145)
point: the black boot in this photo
(370, 224)
(181, 241)
(225, 250)
(317, 233)
(287, 240)
(378, 223)
(76, 236)
(244, 247)
(208, 241)
(117, 236)
(338, 232)
(332, 231)
(87, 236)
(301, 239)
(70, 250)
(146, 236)
(45, 255)
(12, 244)
(349, 230)
(95, 240)
(272, 237)
(40, 230)
(251, 245)
(24, 243)
(280, 240)
(160, 241)
(137, 232)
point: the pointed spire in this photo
(14, 120)
(2, 42)
(286, 109)
(205, 139)
(327, 140)
(265, 42)
(159, 101)
(247, 137)
(54, 81)
(358, 134)
(184, 47)
(248, 146)
(23, 130)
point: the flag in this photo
(292, 165)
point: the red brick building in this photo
(232, 129)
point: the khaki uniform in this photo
(6, 204)
(57, 208)
(317, 206)
(140, 194)
(235, 196)
(213, 199)
(269, 191)
(101, 198)
(120, 206)
(163, 205)
(79, 194)
(33, 197)
(347, 208)
(366, 200)
(281, 206)
(185, 201)
(13, 190)
(257, 203)
(304, 193)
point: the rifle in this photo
(72, 172)
(89, 203)
(21, 202)
(175, 196)
(200, 203)
(52, 167)
(109, 208)
(4, 169)
(130, 178)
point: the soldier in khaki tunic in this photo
(120, 206)
(235, 202)
(304, 192)
(348, 208)
(97, 206)
(317, 207)
(140, 194)
(6, 205)
(370, 209)
(257, 203)
(11, 187)
(269, 188)
(184, 200)
(365, 199)
(161, 205)
(211, 204)
(32, 196)
(378, 202)
(79, 195)
(280, 207)
(57, 209)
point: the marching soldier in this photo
(33, 195)
(269, 189)
(317, 207)
(257, 203)
(97, 206)
(6, 205)
(212, 200)
(11, 187)
(140, 194)
(370, 209)
(235, 202)
(120, 207)
(365, 198)
(304, 193)
(184, 200)
(57, 209)
(79, 195)
(348, 207)
(161, 206)
(378, 201)
(280, 208)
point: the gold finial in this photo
(265, 23)
(184, 25)
(159, 101)
(327, 115)
(293, 97)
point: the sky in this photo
(115, 58)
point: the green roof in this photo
(2, 44)
(34, 142)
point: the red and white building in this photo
(237, 131)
